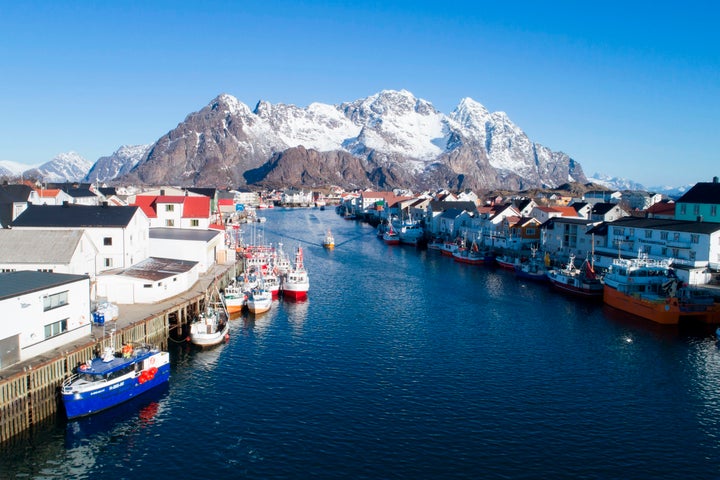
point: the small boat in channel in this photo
(210, 328)
(114, 378)
(329, 240)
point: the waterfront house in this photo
(606, 212)
(694, 247)
(638, 199)
(293, 197)
(41, 311)
(205, 247)
(50, 196)
(119, 234)
(602, 196)
(441, 217)
(562, 236)
(662, 209)
(148, 281)
(180, 211)
(700, 203)
(59, 251)
(83, 196)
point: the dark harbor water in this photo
(404, 364)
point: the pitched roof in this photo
(13, 284)
(702, 192)
(75, 216)
(48, 192)
(196, 207)
(602, 208)
(17, 192)
(26, 246)
(147, 204)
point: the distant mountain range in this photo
(617, 183)
(390, 139)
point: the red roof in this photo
(226, 202)
(196, 207)
(49, 192)
(171, 198)
(146, 204)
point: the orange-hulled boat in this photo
(651, 290)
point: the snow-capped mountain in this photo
(400, 140)
(65, 167)
(117, 164)
(615, 183)
(12, 169)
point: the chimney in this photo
(715, 179)
(162, 192)
(105, 204)
(66, 204)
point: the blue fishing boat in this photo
(114, 378)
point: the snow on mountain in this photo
(615, 183)
(117, 164)
(10, 168)
(395, 122)
(319, 126)
(65, 167)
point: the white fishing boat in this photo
(259, 300)
(210, 328)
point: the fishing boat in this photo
(508, 262)
(410, 234)
(114, 378)
(472, 255)
(391, 237)
(295, 284)
(650, 289)
(259, 300)
(450, 247)
(535, 268)
(234, 297)
(583, 281)
(210, 328)
(271, 283)
(329, 240)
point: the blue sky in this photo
(627, 90)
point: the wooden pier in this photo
(29, 391)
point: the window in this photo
(56, 328)
(632, 232)
(676, 252)
(713, 210)
(107, 241)
(619, 231)
(194, 223)
(692, 254)
(108, 262)
(663, 251)
(696, 209)
(169, 223)
(676, 236)
(648, 233)
(663, 235)
(169, 208)
(682, 209)
(695, 238)
(55, 300)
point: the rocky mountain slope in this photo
(390, 139)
